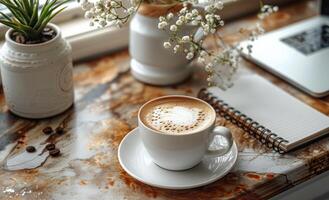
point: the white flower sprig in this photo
(220, 66)
(267, 10)
(109, 12)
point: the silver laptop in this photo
(298, 53)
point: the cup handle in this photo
(226, 133)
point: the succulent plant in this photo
(28, 18)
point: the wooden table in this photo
(105, 109)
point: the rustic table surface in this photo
(106, 104)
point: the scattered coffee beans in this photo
(30, 149)
(50, 147)
(48, 130)
(55, 152)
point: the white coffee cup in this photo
(182, 151)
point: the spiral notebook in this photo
(268, 113)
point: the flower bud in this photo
(173, 28)
(186, 38)
(166, 45)
(189, 56)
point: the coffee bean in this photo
(48, 130)
(30, 149)
(59, 130)
(50, 147)
(55, 152)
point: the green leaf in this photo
(34, 18)
(27, 7)
(17, 15)
(11, 25)
(7, 23)
(15, 9)
(17, 3)
(43, 13)
(5, 16)
(46, 7)
(47, 20)
(32, 3)
(26, 27)
(58, 5)
(26, 17)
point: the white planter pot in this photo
(37, 79)
(151, 62)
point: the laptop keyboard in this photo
(309, 41)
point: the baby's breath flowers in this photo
(267, 10)
(220, 66)
(109, 12)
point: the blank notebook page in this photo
(275, 109)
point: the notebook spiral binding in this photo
(261, 133)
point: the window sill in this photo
(88, 42)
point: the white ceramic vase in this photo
(151, 62)
(37, 78)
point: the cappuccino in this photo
(177, 115)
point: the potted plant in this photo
(36, 62)
(178, 25)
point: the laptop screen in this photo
(309, 41)
(313, 39)
(325, 7)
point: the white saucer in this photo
(137, 163)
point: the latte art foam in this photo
(175, 116)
